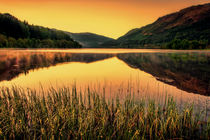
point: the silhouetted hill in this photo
(189, 26)
(17, 34)
(90, 40)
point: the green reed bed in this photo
(66, 114)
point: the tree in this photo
(3, 41)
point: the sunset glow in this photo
(106, 17)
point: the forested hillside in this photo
(187, 29)
(17, 34)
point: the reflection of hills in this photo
(12, 66)
(189, 72)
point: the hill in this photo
(187, 29)
(17, 34)
(90, 40)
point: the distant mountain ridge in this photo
(89, 40)
(191, 23)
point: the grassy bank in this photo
(67, 114)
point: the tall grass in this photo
(66, 114)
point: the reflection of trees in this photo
(12, 67)
(187, 71)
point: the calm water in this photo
(156, 74)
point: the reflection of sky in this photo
(113, 74)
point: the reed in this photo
(65, 113)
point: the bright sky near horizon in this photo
(112, 18)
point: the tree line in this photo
(187, 44)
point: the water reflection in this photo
(149, 74)
(188, 70)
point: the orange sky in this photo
(112, 18)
